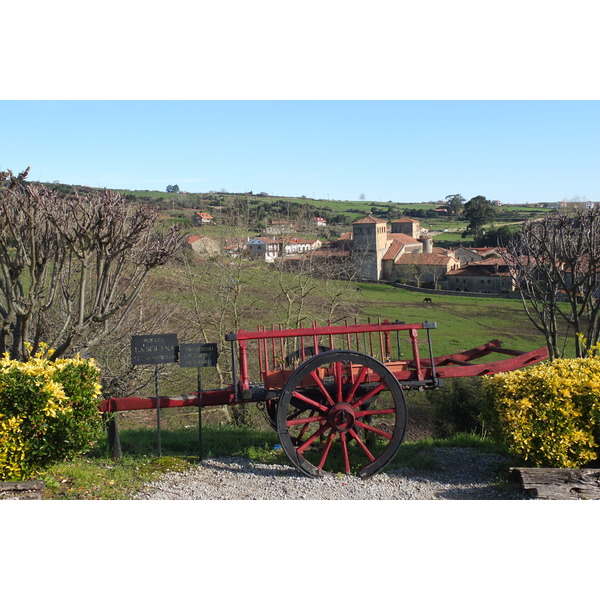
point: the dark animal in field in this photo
(427, 300)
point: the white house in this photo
(267, 249)
(318, 222)
(298, 246)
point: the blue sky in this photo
(403, 151)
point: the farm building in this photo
(491, 275)
(204, 245)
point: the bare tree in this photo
(318, 285)
(555, 265)
(71, 268)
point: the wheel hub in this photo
(341, 417)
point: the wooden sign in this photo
(198, 355)
(154, 349)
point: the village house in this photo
(234, 247)
(299, 246)
(318, 222)
(332, 252)
(466, 256)
(269, 249)
(279, 227)
(204, 246)
(490, 275)
(202, 218)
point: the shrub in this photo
(549, 414)
(48, 412)
(457, 407)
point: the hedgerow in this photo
(549, 414)
(49, 412)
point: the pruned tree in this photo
(71, 268)
(555, 265)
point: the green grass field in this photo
(462, 322)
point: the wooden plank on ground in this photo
(32, 489)
(558, 484)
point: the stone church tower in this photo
(408, 227)
(370, 243)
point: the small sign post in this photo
(198, 355)
(154, 350)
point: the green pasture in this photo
(462, 322)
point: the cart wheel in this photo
(341, 411)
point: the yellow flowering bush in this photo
(548, 414)
(12, 449)
(49, 411)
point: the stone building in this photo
(466, 256)
(204, 246)
(279, 227)
(491, 275)
(370, 242)
(407, 226)
(404, 253)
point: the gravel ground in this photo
(463, 474)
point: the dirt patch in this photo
(420, 424)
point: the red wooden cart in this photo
(335, 393)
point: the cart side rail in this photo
(278, 351)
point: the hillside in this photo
(259, 209)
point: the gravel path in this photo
(463, 474)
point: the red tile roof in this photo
(370, 220)
(419, 258)
(393, 250)
(403, 238)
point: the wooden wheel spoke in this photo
(376, 411)
(304, 421)
(338, 375)
(345, 452)
(320, 385)
(312, 438)
(362, 445)
(326, 451)
(310, 401)
(359, 380)
(368, 396)
(380, 432)
(298, 412)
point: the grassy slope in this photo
(463, 322)
(352, 209)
